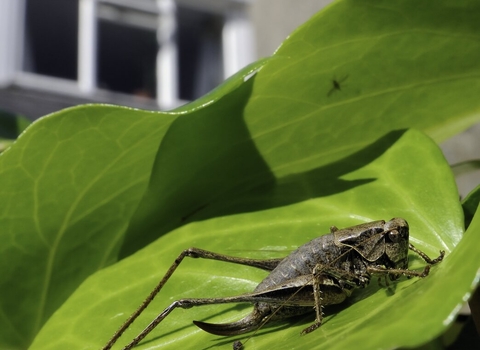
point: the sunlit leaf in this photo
(373, 184)
(283, 153)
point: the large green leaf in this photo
(69, 187)
(375, 183)
(407, 63)
(278, 140)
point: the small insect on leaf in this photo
(324, 271)
(336, 85)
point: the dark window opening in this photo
(51, 38)
(200, 52)
(126, 50)
(127, 59)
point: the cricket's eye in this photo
(394, 235)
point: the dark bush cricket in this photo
(322, 272)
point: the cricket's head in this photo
(396, 242)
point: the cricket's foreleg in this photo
(383, 271)
(425, 256)
(268, 265)
(378, 270)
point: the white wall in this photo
(274, 20)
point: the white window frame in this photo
(11, 32)
(237, 46)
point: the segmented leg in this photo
(425, 256)
(398, 272)
(405, 272)
(268, 265)
(316, 275)
(187, 304)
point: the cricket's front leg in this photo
(383, 271)
(425, 256)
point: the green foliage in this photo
(11, 126)
(263, 162)
(369, 188)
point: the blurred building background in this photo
(152, 54)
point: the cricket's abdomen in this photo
(321, 250)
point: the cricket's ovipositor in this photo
(322, 272)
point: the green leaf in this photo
(373, 184)
(11, 126)
(73, 185)
(70, 184)
(470, 205)
(406, 63)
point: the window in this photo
(170, 51)
(51, 32)
(199, 40)
(126, 50)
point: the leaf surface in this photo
(368, 189)
(86, 186)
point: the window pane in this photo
(51, 38)
(200, 52)
(127, 58)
